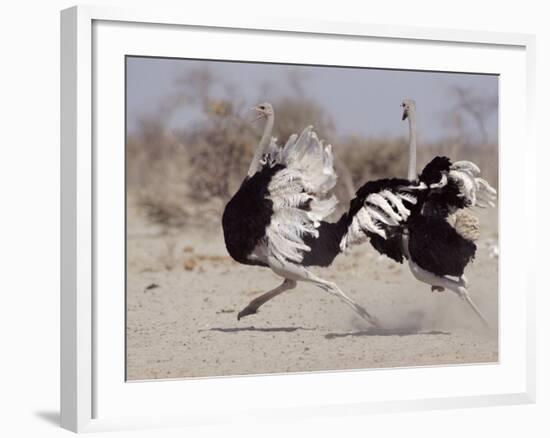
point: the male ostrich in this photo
(422, 220)
(276, 217)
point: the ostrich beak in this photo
(405, 114)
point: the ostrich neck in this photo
(411, 175)
(262, 146)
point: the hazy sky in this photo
(359, 100)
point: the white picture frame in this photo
(87, 378)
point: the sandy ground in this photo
(184, 293)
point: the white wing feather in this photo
(477, 191)
(380, 212)
(466, 175)
(307, 178)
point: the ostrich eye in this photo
(262, 107)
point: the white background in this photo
(29, 227)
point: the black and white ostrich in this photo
(276, 217)
(423, 219)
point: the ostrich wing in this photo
(450, 186)
(379, 211)
(299, 193)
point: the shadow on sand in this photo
(399, 331)
(256, 329)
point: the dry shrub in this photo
(219, 150)
(156, 172)
(485, 156)
(188, 177)
(192, 175)
(374, 158)
(293, 114)
(178, 184)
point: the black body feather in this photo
(247, 215)
(249, 212)
(440, 202)
(326, 247)
(391, 246)
(431, 174)
(434, 244)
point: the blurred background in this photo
(190, 138)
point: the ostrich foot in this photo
(246, 311)
(371, 319)
(375, 321)
(463, 293)
(255, 304)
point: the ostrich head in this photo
(409, 107)
(264, 110)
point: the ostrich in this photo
(275, 219)
(421, 219)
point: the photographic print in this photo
(298, 218)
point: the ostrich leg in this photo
(299, 273)
(255, 304)
(453, 285)
(459, 287)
